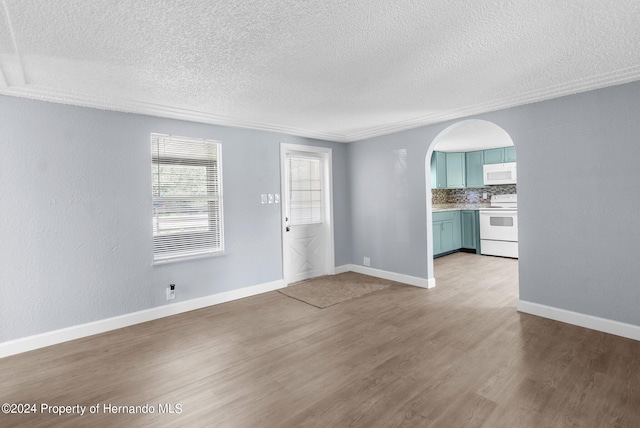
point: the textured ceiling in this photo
(332, 69)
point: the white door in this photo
(307, 220)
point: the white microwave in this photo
(499, 173)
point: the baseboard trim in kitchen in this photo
(391, 276)
(617, 328)
(30, 343)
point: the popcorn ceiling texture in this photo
(470, 195)
(335, 70)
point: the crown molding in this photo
(152, 109)
(20, 74)
(616, 77)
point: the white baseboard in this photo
(617, 328)
(343, 269)
(29, 343)
(392, 276)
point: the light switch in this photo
(270, 198)
(263, 198)
(277, 198)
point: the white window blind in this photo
(305, 191)
(187, 197)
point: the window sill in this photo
(178, 259)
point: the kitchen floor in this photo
(455, 355)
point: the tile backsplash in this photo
(469, 195)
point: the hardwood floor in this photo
(458, 355)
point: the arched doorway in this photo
(464, 148)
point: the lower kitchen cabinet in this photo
(447, 232)
(470, 225)
(455, 230)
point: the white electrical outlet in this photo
(367, 261)
(171, 292)
(484, 195)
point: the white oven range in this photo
(499, 227)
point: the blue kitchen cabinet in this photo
(492, 156)
(470, 226)
(456, 170)
(501, 155)
(474, 162)
(448, 170)
(457, 231)
(438, 170)
(437, 236)
(447, 234)
(509, 154)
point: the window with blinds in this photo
(187, 197)
(305, 191)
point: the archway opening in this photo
(461, 188)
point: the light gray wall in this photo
(75, 222)
(75, 235)
(388, 205)
(578, 180)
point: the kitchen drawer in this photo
(446, 215)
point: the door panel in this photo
(307, 258)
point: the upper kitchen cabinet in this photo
(493, 156)
(474, 162)
(510, 154)
(456, 171)
(448, 170)
(500, 155)
(438, 170)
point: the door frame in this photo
(325, 154)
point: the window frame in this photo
(301, 206)
(213, 166)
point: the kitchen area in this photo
(474, 194)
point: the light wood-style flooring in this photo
(458, 355)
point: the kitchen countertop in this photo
(457, 207)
